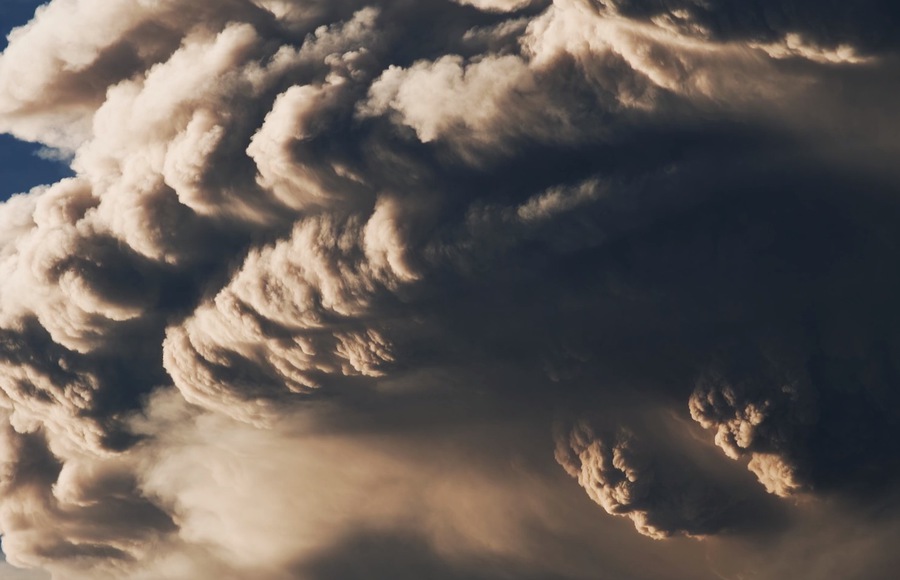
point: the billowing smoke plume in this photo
(327, 273)
(762, 420)
(625, 479)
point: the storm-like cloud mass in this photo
(433, 288)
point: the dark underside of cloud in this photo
(433, 289)
(869, 24)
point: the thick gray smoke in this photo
(332, 278)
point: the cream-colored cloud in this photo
(624, 66)
(497, 5)
(279, 212)
(759, 421)
(296, 312)
(482, 102)
(637, 479)
(795, 46)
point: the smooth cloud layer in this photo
(329, 273)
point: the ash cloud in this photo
(620, 475)
(328, 274)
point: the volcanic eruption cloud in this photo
(436, 289)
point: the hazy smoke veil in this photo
(328, 274)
